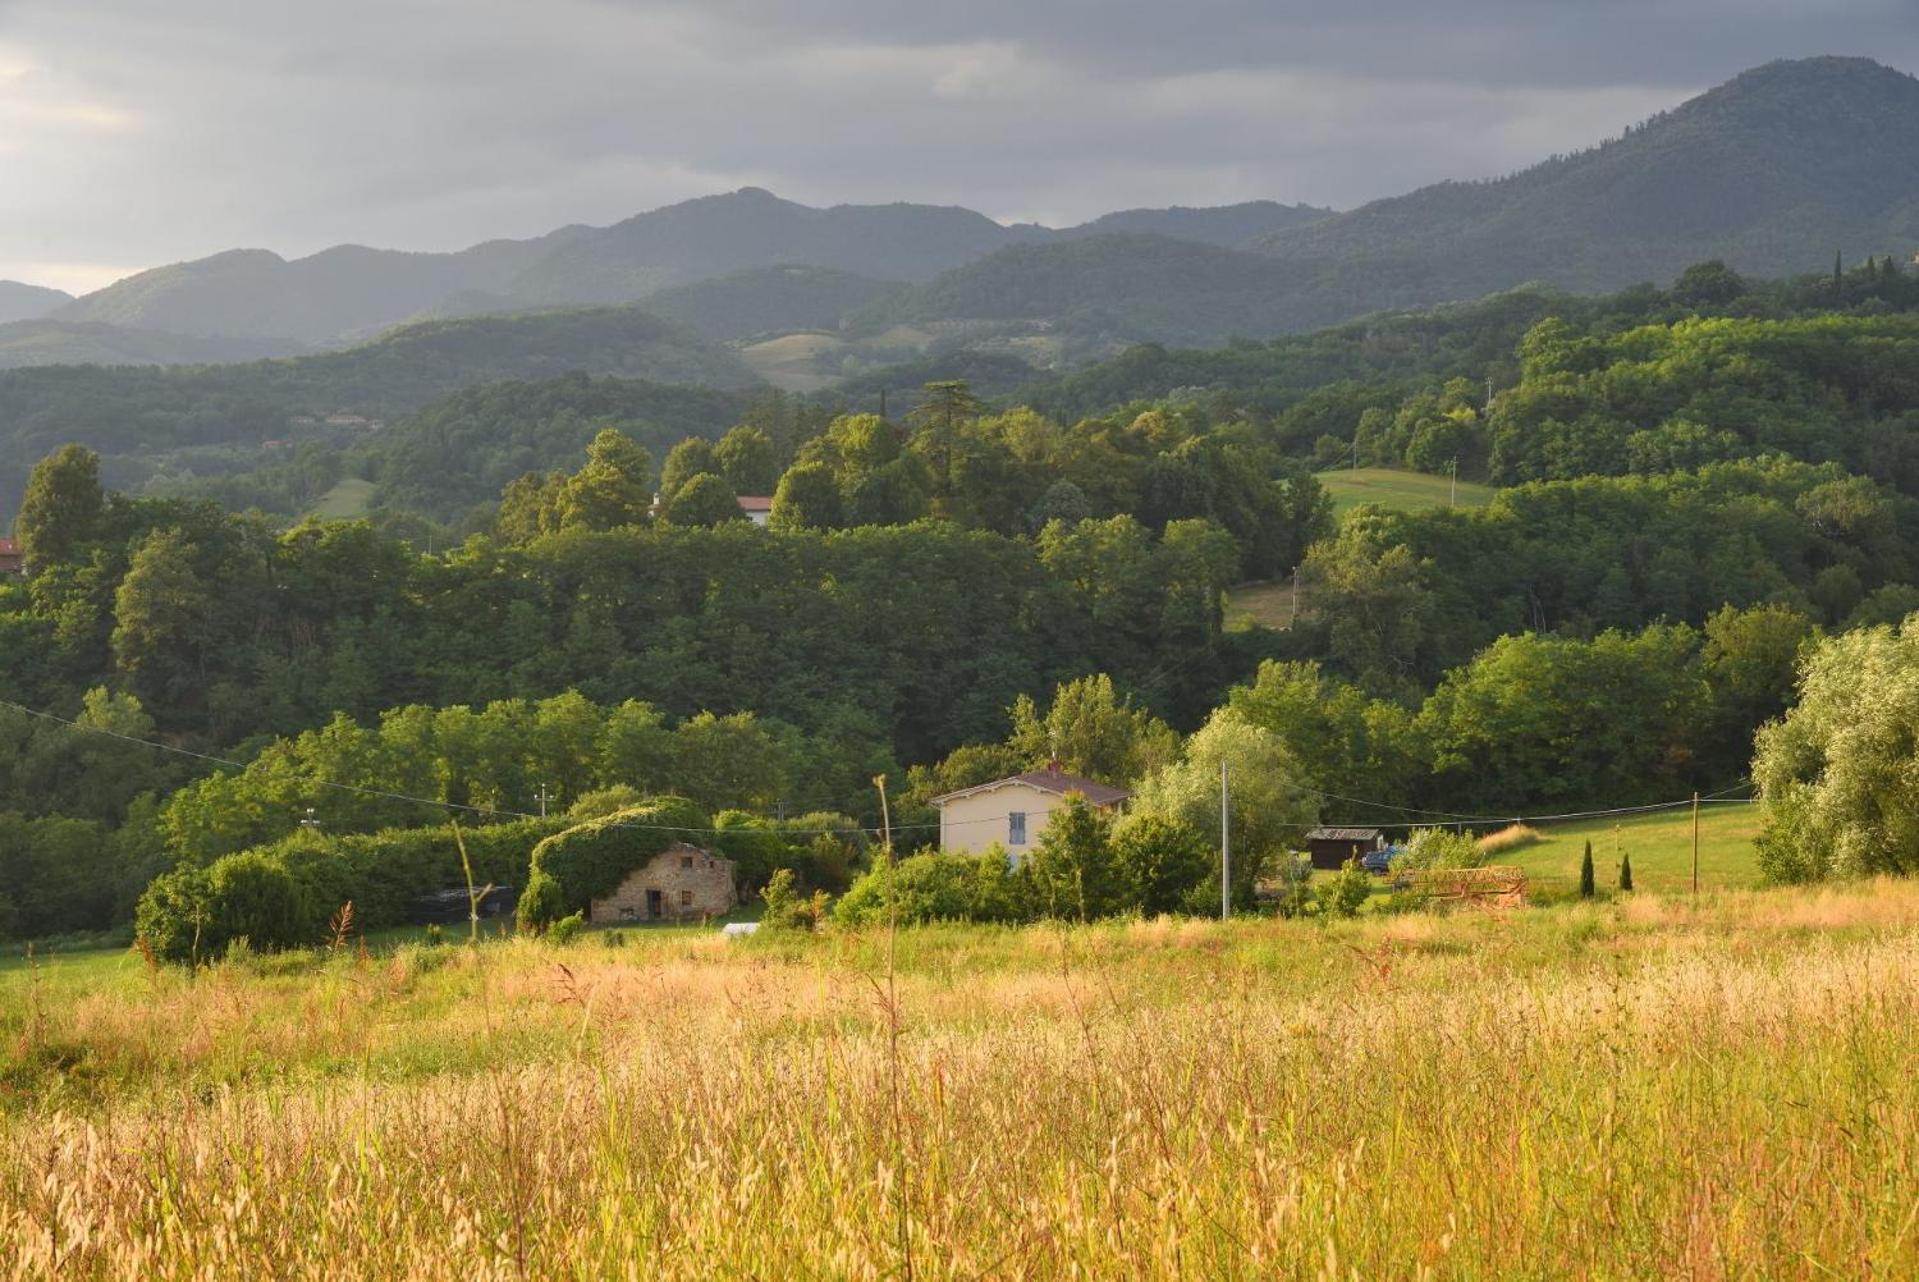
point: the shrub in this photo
(1161, 861)
(1344, 891)
(541, 903)
(590, 860)
(566, 929)
(1625, 872)
(194, 914)
(940, 887)
(1441, 848)
(784, 910)
(1587, 888)
(755, 846)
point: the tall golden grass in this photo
(1508, 839)
(1722, 1090)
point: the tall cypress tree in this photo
(1625, 872)
(1586, 887)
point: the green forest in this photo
(556, 607)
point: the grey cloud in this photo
(132, 133)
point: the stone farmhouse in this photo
(681, 883)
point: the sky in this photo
(134, 133)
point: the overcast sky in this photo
(140, 132)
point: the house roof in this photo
(1342, 834)
(1057, 782)
(9, 548)
(756, 503)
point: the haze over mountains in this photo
(1773, 171)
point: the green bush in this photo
(194, 914)
(784, 909)
(541, 903)
(940, 887)
(567, 929)
(590, 860)
(1342, 893)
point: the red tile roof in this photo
(756, 503)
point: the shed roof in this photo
(1343, 834)
(1057, 782)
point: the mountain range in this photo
(1772, 172)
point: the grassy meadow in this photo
(1403, 491)
(1660, 845)
(347, 501)
(1640, 1088)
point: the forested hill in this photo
(137, 413)
(27, 302)
(27, 343)
(1772, 172)
(768, 300)
(1116, 287)
(352, 290)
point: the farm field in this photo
(1582, 1090)
(1405, 491)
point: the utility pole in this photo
(1225, 845)
(1489, 391)
(1695, 845)
(310, 821)
(1293, 617)
(1454, 500)
(543, 797)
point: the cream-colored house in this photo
(1014, 811)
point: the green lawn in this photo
(1660, 845)
(346, 501)
(1266, 605)
(1405, 491)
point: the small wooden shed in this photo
(1334, 848)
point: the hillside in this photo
(1772, 172)
(767, 300)
(351, 291)
(1120, 287)
(28, 302)
(134, 416)
(47, 342)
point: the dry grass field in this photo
(1644, 1088)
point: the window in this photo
(686, 899)
(686, 861)
(1016, 828)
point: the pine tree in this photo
(1625, 872)
(1586, 887)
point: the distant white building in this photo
(758, 507)
(1014, 811)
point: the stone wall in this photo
(681, 883)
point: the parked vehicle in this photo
(1380, 862)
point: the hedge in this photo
(590, 860)
(283, 894)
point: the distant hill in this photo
(350, 291)
(47, 342)
(1122, 288)
(28, 302)
(1228, 226)
(338, 293)
(767, 300)
(142, 413)
(1773, 172)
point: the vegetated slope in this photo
(1228, 226)
(1133, 288)
(767, 300)
(351, 291)
(48, 342)
(1772, 172)
(1400, 491)
(20, 302)
(462, 450)
(142, 412)
(338, 292)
